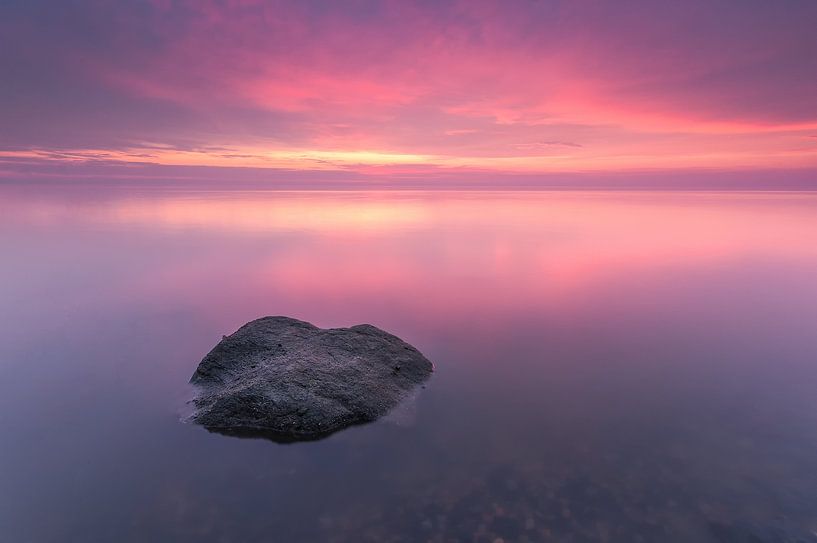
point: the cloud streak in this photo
(521, 87)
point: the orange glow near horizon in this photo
(375, 88)
(618, 157)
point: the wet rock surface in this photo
(288, 380)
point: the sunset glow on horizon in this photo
(379, 89)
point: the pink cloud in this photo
(529, 86)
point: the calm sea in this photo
(611, 366)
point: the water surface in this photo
(624, 366)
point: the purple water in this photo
(627, 366)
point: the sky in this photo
(394, 90)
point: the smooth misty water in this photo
(610, 366)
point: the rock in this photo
(289, 380)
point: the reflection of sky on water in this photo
(609, 364)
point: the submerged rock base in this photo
(289, 380)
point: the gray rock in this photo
(289, 380)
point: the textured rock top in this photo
(289, 380)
